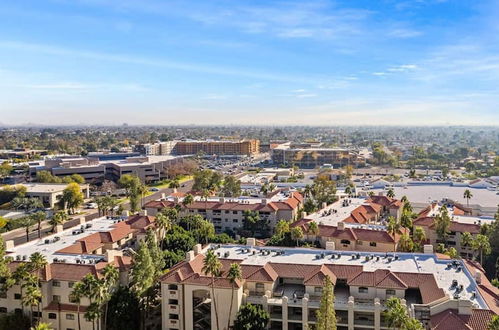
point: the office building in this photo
(213, 147)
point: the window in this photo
(359, 242)
(372, 244)
(345, 241)
(70, 284)
(52, 316)
(56, 298)
(235, 220)
(17, 296)
(3, 295)
(3, 309)
(318, 289)
(172, 287)
(173, 301)
(173, 317)
(363, 289)
(56, 283)
(260, 288)
(18, 311)
(390, 292)
(70, 316)
(37, 314)
(226, 211)
(234, 212)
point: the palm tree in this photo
(110, 279)
(34, 203)
(313, 228)
(164, 223)
(174, 184)
(26, 222)
(37, 262)
(393, 229)
(405, 243)
(75, 297)
(90, 290)
(296, 234)
(418, 236)
(234, 274)
(39, 217)
(466, 239)
(390, 193)
(467, 194)
(212, 266)
(494, 323)
(58, 219)
(396, 313)
(481, 243)
(188, 200)
(32, 296)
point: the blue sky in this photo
(418, 62)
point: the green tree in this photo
(26, 222)
(467, 195)
(418, 236)
(313, 228)
(251, 317)
(326, 317)
(282, 227)
(397, 317)
(234, 275)
(72, 197)
(75, 296)
(42, 326)
(32, 297)
(58, 219)
(442, 224)
(231, 187)
(109, 281)
(494, 323)
(390, 193)
(466, 239)
(38, 217)
(405, 243)
(142, 277)
(393, 229)
(187, 200)
(124, 312)
(482, 245)
(174, 184)
(296, 234)
(5, 169)
(213, 267)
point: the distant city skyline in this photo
(387, 62)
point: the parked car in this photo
(153, 189)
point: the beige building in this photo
(51, 193)
(288, 284)
(213, 147)
(71, 254)
(228, 214)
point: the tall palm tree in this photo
(188, 200)
(58, 219)
(37, 262)
(90, 290)
(466, 239)
(418, 236)
(19, 276)
(32, 296)
(481, 243)
(164, 224)
(212, 266)
(467, 194)
(75, 296)
(393, 229)
(38, 217)
(234, 274)
(405, 243)
(26, 222)
(390, 193)
(110, 279)
(313, 228)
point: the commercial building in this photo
(289, 154)
(288, 283)
(109, 166)
(71, 254)
(228, 214)
(214, 147)
(354, 224)
(50, 193)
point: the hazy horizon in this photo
(244, 63)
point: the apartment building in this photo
(288, 154)
(147, 168)
(356, 224)
(287, 282)
(156, 149)
(71, 254)
(460, 223)
(214, 147)
(227, 213)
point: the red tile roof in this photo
(452, 320)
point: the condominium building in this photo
(460, 223)
(71, 254)
(357, 224)
(228, 213)
(288, 283)
(288, 154)
(214, 147)
(147, 168)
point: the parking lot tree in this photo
(72, 197)
(38, 217)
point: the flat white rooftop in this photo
(407, 262)
(66, 238)
(45, 187)
(336, 212)
(280, 197)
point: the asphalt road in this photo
(19, 237)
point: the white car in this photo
(91, 205)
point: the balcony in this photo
(173, 294)
(174, 324)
